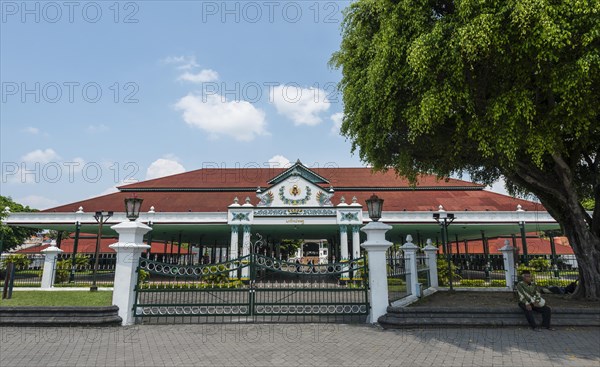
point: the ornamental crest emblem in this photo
(295, 190)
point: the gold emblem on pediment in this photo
(295, 190)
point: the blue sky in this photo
(100, 93)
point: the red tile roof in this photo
(213, 190)
(253, 177)
(535, 246)
(88, 246)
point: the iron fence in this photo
(254, 288)
(396, 274)
(82, 274)
(27, 270)
(423, 271)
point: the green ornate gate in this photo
(278, 291)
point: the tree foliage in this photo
(493, 88)
(13, 236)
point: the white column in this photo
(410, 258)
(246, 251)
(233, 249)
(508, 256)
(344, 252)
(128, 249)
(431, 252)
(49, 273)
(343, 242)
(355, 242)
(376, 246)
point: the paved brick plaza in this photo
(303, 344)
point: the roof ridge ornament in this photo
(236, 202)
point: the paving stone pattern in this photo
(295, 344)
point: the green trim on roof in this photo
(298, 169)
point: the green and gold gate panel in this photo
(168, 293)
(293, 292)
(277, 291)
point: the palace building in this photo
(234, 212)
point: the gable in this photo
(295, 191)
(299, 170)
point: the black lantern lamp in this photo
(375, 207)
(132, 208)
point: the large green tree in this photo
(494, 88)
(13, 236)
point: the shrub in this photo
(192, 285)
(540, 264)
(20, 261)
(219, 274)
(395, 281)
(472, 283)
(63, 267)
(498, 283)
(443, 276)
(143, 276)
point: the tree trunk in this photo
(557, 193)
(586, 247)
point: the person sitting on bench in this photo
(530, 300)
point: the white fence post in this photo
(49, 273)
(410, 260)
(376, 245)
(508, 256)
(431, 252)
(128, 249)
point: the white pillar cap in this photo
(52, 250)
(506, 247)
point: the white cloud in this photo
(189, 68)
(163, 167)
(337, 119)
(203, 76)
(279, 161)
(40, 156)
(301, 105)
(182, 62)
(217, 116)
(31, 130)
(97, 128)
(38, 202)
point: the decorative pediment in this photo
(299, 170)
(294, 191)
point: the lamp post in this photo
(520, 212)
(101, 217)
(445, 219)
(151, 214)
(78, 215)
(375, 207)
(5, 213)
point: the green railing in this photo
(250, 289)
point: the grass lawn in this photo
(58, 298)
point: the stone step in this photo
(60, 316)
(411, 317)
